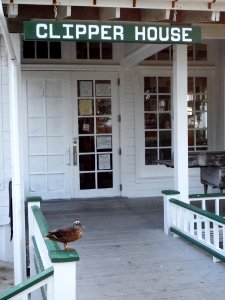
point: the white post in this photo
(180, 121)
(17, 174)
(65, 280)
(167, 195)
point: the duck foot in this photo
(68, 249)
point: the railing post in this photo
(30, 202)
(65, 280)
(167, 195)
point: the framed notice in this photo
(104, 142)
(104, 162)
(85, 88)
(103, 89)
(85, 107)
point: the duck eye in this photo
(77, 222)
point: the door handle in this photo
(75, 155)
(68, 156)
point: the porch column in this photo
(180, 131)
(16, 159)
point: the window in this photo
(157, 119)
(197, 113)
(94, 50)
(195, 52)
(41, 50)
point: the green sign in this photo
(114, 32)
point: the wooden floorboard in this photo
(125, 254)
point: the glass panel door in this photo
(94, 146)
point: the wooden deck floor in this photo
(125, 254)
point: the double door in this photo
(72, 134)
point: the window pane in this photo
(94, 50)
(150, 85)
(81, 50)
(201, 137)
(150, 156)
(200, 84)
(103, 125)
(164, 102)
(103, 106)
(201, 52)
(86, 144)
(150, 121)
(190, 52)
(190, 137)
(164, 121)
(201, 102)
(55, 50)
(201, 120)
(42, 49)
(151, 139)
(165, 138)
(164, 85)
(28, 49)
(87, 162)
(165, 154)
(85, 107)
(86, 125)
(105, 180)
(150, 103)
(106, 51)
(87, 181)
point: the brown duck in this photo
(67, 235)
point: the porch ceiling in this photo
(167, 11)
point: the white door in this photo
(47, 130)
(95, 134)
(71, 131)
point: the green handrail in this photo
(16, 290)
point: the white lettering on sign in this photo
(139, 33)
(112, 32)
(67, 27)
(175, 34)
(185, 34)
(93, 30)
(80, 30)
(105, 32)
(118, 32)
(39, 31)
(51, 34)
(152, 34)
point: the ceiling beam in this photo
(62, 12)
(140, 54)
(12, 10)
(198, 16)
(200, 5)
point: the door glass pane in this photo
(150, 138)
(103, 106)
(150, 121)
(87, 181)
(86, 125)
(150, 156)
(87, 162)
(103, 125)
(150, 102)
(105, 180)
(86, 144)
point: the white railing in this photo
(196, 224)
(52, 270)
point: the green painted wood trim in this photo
(213, 195)
(39, 263)
(33, 199)
(198, 211)
(198, 244)
(27, 284)
(55, 252)
(170, 192)
(43, 293)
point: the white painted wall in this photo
(6, 249)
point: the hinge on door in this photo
(118, 81)
(121, 187)
(120, 151)
(119, 118)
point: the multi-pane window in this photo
(94, 50)
(197, 113)
(157, 119)
(195, 52)
(41, 50)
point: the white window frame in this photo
(159, 171)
